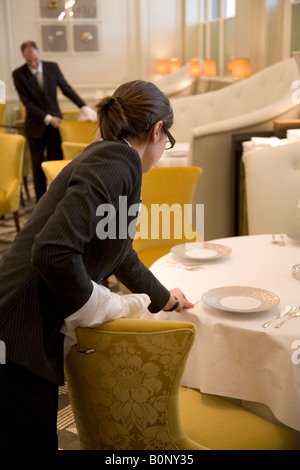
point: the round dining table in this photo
(233, 355)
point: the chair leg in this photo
(16, 218)
(22, 198)
(26, 187)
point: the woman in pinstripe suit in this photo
(51, 274)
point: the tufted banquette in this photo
(208, 121)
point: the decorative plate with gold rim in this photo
(198, 251)
(240, 299)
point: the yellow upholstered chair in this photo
(123, 380)
(124, 387)
(67, 114)
(70, 114)
(2, 112)
(11, 164)
(22, 111)
(51, 168)
(165, 187)
(79, 131)
(19, 129)
(71, 150)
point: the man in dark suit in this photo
(36, 82)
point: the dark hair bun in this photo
(132, 110)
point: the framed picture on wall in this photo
(69, 26)
(51, 8)
(80, 8)
(85, 38)
(85, 9)
(54, 38)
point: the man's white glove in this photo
(86, 113)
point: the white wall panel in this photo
(160, 32)
(192, 27)
(133, 34)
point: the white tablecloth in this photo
(232, 355)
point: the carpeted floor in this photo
(66, 428)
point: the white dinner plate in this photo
(240, 299)
(295, 235)
(198, 251)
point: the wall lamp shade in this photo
(174, 65)
(230, 65)
(209, 68)
(162, 66)
(241, 68)
(195, 68)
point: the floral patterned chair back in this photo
(124, 379)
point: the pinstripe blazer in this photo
(39, 102)
(46, 275)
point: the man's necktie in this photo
(39, 78)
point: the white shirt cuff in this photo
(102, 306)
(47, 119)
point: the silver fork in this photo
(280, 242)
(282, 313)
(183, 266)
(295, 312)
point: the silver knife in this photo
(283, 312)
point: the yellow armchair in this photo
(124, 386)
(2, 113)
(51, 168)
(70, 114)
(11, 165)
(71, 150)
(123, 380)
(79, 131)
(165, 188)
(19, 128)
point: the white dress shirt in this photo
(102, 306)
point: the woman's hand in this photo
(183, 302)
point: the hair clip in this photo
(118, 98)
